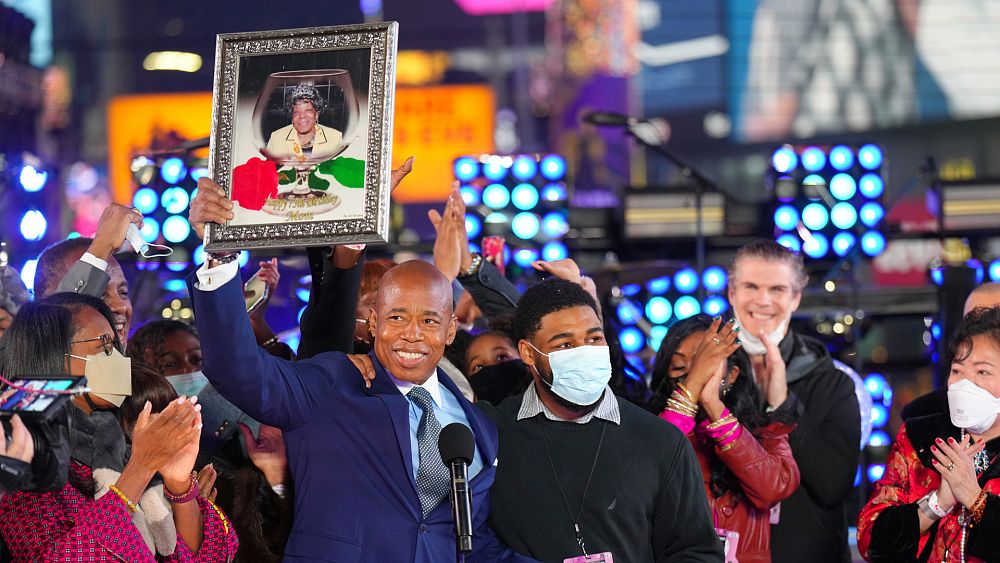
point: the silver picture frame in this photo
(237, 132)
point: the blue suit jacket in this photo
(348, 447)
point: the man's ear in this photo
(527, 353)
(371, 323)
(452, 329)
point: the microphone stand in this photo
(701, 185)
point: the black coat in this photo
(825, 444)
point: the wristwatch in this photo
(477, 261)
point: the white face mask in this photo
(188, 384)
(971, 407)
(579, 374)
(753, 344)
(108, 376)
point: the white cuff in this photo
(210, 279)
(94, 261)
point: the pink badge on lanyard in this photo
(594, 558)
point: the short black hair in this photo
(543, 299)
(981, 321)
(54, 262)
(146, 344)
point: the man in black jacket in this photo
(796, 373)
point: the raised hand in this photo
(157, 439)
(267, 452)
(111, 228)
(770, 372)
(451, 235)
(565, 269)
(210, 205)
(717, 344)
(953, 460)
(400, 173)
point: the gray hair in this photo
(308, 93)
(770, 250)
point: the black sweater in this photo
(825, 444)
(646, 502)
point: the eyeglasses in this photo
(107, 342)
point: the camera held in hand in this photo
(43, 404)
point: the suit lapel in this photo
(320, 135)
(399, 413)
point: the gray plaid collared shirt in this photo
(607, 409)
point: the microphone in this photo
(610, 119)
(457, 447)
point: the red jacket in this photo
(767, 474)
(67, 526)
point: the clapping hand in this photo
(771, 374)
(953, 460)
(451, 246)
(709, 359)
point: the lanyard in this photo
(575, 518)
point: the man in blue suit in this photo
(369, 481)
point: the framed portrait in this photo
(302, 135)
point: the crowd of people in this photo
(213, 441)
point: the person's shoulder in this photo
(646, 425)
(281, 133)
(505, 412)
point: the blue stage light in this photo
(843, 186)
(880, 415)
(554, 250)
(815, 216)
(33, 226)
(876, 384)
(150, 230)
(553, 167)
(466, 168)
(631, 290)
(173, 170)
(875, 472)
(28, 273)
(494, 169)
(857, 477)
(714, 279)
(871, 185)
(656, 336)
(496, 196)
(784, 160)
(871, 214)
(554, 192)
(686, 280)
(470, 195)
(525, 225)
(175, 199)
(32, 179)
(786, 217)
(199, 254)
(843, 242)
(303, 294)
(870, 157)
(176, 229)
(474, 248)
(658, 310)
(525, 168)
(523, 257)
(843, 215)
(841, 158)
(145, 200)
(879, 438)
(632, 340)
(198, 173)
(995, 270)
(627, 312)
(873, 243)
(937, 276)
(715, 306)
(813, 180)
(790, 241)
(175, 285)
(554, 224)
(473, 225)
(816, 245)
(73, 234)
(177, 266)
(658, 286)
(298, 316)
(813, 159)
(524, 196)
(244, 258)
(685, 307)
(978, 267)
(936, 331)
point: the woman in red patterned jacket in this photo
(703, 385)
(84, 520)
(937, 500)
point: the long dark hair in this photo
(743, 400)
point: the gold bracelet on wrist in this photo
(729, 446)
(131, 506)
(728, 419)
(978, 506)
(728, 434)
(688, 393)
(681, 408)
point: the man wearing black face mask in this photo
(568, 446)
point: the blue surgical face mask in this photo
(579, 374)
(188, 384)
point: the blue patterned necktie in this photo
(433, 479)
